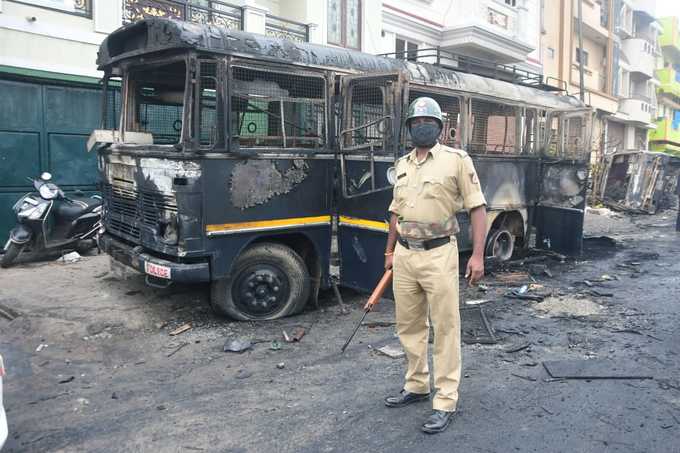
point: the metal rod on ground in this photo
(372, 301)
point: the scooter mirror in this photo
(46, 176)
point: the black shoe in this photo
(438, 421)
(404, 398)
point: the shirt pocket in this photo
(400, 190)
(432, 187)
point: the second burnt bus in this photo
(231, 158)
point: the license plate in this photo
(157, 270)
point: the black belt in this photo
(423, 244)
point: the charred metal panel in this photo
(507, 184)
(560, 212)
(255, 182)
(153, 202)
(564, 185)
(308, 192)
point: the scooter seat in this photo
(71, 210)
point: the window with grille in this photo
(277, 109)
(450, 106)
(530, 127)
(369, 122)
(574, 145)
(209, 112)
(111, 119)
(493, 127)
(156, 102)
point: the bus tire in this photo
(268, 281)
(500, 245)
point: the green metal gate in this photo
(44, 127)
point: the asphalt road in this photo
(109, 377)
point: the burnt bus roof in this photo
(154, 35)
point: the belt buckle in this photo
(414, 244)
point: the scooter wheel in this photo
(11, 253)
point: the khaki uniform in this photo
(427, 196)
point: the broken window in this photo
(493, 127)
(450, 106)
(530, 127)
(111, 119)
(156, 102)
(208, 109)
(574, 146)
(370, 117)
(276, 109)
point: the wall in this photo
(55, 41)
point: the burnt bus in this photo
(238, 159)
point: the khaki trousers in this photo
(427, 281)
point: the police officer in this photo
(433, 182)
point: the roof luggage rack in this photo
(472, 65)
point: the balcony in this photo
(212, 12)
(215, 13)
(636, 109)
(640, 55)
(277, 27)
(665, 132)
(669, 81)
(647, 7)
(491, 32)
(670, 37)
(593, 24)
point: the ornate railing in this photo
(75, 7)
(198, 11)
(277, 27)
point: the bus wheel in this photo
(501, 245)
(269, 281)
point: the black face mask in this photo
(424, 135)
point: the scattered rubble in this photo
(181, 329)
(569, 306)
(238, 345)
(394, 351)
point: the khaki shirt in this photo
(427, 195)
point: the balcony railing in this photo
(75, 7)
(665, 132)
(211, 12)
(277, 27)
(202, 12)
(670, 81)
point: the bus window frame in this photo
(517, 151)
(232, 141)
(135, 65)
(220, 145)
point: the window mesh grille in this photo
(158, 99)
(272, 109)
(208, 112)
(492, 127)
(368, 122)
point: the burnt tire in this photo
(268, 281)
(11, 253)
(500, 245)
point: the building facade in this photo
(666, 136)
(619, 57)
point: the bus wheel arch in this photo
(506, 232)
(272, 277)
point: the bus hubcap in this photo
(261, 291)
